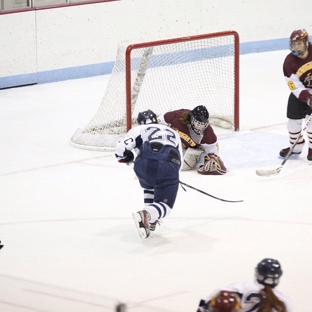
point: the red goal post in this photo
(165, 75)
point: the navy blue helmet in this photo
(268, 272)
(147, 117)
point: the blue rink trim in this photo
(57, 75)
(106, 68)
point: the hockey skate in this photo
(153, 225)
(285, 151)
(141, 219)
(309, 157)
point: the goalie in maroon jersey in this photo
(200, 144)
(298, 74)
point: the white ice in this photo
(70, 243)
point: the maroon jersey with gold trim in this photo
(298, 75)
(188, 139)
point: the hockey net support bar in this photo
(165, 75)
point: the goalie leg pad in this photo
(191, 157)
(213, 166)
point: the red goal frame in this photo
(176, 40)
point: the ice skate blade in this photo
(292, 156)
(137, 220)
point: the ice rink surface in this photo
(70, 243)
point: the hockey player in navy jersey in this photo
(157, 165)
(298, 74)
(259, 296)
(200, 144)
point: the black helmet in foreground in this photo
(268, 272)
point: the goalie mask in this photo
(199, 119)
(268, 272)
(225, 301)
(147, 117)
(299, 42)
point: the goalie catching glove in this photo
(213, 166)
(127, 157)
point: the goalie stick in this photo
(200, 191)
(267, 173)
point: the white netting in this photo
(166, 77)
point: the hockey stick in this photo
(267, 173)
(200, 191)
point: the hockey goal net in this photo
(165, 75)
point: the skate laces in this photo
(153, 225)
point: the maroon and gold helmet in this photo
(300, 34)
(296, 35)
(225, 301)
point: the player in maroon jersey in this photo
(200, 144)
(298, 74)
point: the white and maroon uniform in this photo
(206, 141)
(298, 75)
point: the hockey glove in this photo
(127, 157)
(213, 166)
